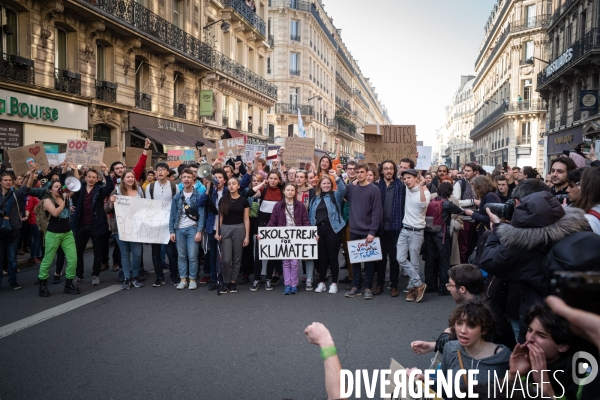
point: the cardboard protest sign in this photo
(424, 159)
(143, 220)
(111, 155)
(133, 154)
(177, 157)
(361, 252)
(227, 148)
(389, 142)
(55, 159)
(84, 152)
(21, 158)
(288, 242)
(299, 150)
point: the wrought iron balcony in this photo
(238, 124)
(271, 40)
(563, 120)
(295, 38)
(17, 68)
(248, 14)
(106, 91)
(67, 81)
(552, 124)
(179, 110)
(580, 49)
(291, 108)
(527, 105)
(490, 119)
(249, 127)
(524, 139)
(225, 121)
(134, 16)
(343, 103)
(576, 115)
(342, 83)
(260, 130)
(295, 72)
(143, 101)
(243, 74)
(293, 4)
(561, 10)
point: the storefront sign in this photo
(84, 152)
(565, 140)
(38, 110)
(389, 142)
(22, 158)
(588, 100)
(206, 103)
(143, 121)
(557, 64)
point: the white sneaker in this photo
(309, 285)
(333, 289)
(321, 288)
(193, 285)
(182, 284)
(95, 281)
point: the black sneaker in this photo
(274, 281)
(158, 282)
(255, 286)
(15, 286)
(56, 279)
(224, 290)
(212, 286)
(233, 288)
(143, 272)
(268, 285)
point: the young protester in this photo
(351, 171)
(233, 231)
(58, 234)
(186, 223)
(393, 194)
(325, 213)
(574, 182)
(10, 233)
(35, 235)
(131, 252)
(305, 192)
(559, 168)
(271, 193)
(163, 190)
(436, 275)
(463, 191)
(150, 177)
(326, 164)
(88, 221)
(589, 197)
(411, 237)
(248, 252)
(365, 218)
(372, 176)
(485, 192)
(289, 212)
(503, 191)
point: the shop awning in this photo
(232, 133)
(174, 139)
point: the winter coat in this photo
(482, 220)
(515, 252)
(99, 193)
(278, 216)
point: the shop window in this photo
(60, 56)
(10, 44)
(102, 134)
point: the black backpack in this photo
(173, 189)
(579, 251)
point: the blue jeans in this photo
(410, 242)
(187, 251)
(36, 242)
(369, 268)
(9, 246)
(131, 267)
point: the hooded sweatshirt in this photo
(497, 362)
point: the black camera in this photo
(578, 289)
(502, 210)
(562, 197)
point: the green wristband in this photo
(327, 352)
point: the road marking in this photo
(56, 311)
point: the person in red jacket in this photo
(34, 232)
(289, 212)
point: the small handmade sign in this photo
(361, 251)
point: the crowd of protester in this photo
(491, 241)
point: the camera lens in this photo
(574, 282)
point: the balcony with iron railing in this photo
(527, 105)
(250, 126)
(67, 81)
(260, 130)
(225, 121)
(132, 15)
(490, 119)
(143, 101)
(238, 124)
(560, 11)
(291, 108)
(343, 103)
(299, 5)
(17, 68)
(563, 120)
(523, 139)
(250, 16)
(179, 110)
(589, 43)
(295, 72)
(358, 93)
(106, 91)
(271, 40)
(295, 38)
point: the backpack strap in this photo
(152, 190)
(173, 189)
(594, 213)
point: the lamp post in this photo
(225, 27)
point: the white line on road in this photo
(56, 311)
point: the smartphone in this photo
(587, 143)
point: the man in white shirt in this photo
(411, 237)
(164, 190)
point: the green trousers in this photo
(52, 242)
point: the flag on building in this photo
(301, 132)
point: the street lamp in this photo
(319, 98)
(530, 60)
(225, 27)
(487, 102)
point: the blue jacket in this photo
(177, 206)
(198, 186)
(397, 204)
(209, 201)
(334, 210)
(99, 193)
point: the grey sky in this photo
(414, 52)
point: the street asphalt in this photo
(161, 343)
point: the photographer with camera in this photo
(515, 252)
